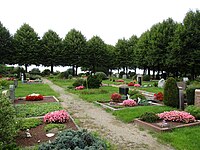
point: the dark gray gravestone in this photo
(15, 83)
(140, 80)
(12, 92)
(181, 99)
(123, 90)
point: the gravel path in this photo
(94, 118)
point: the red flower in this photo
(131, 84)
(34, 97)
(158, 96)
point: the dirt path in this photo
(94, 118)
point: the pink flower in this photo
(60, 116)
(79, 87)
(177, 116)
(129, 103)
(136, 85)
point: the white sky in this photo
(109, 19)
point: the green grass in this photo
(129, 114)
(152, 89)
(25, 89)
(65, 83)
(183, 138)
(33, 110)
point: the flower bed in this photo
(60, 116)
(34, 97)
(129, 103)
(158, 96)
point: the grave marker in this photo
(197, 97)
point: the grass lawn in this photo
(151, 89)
(182, 138)
(129, 114)
(25, 89)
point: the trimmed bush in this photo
(93, 82)
(194, 110)
(7, 123)
(149, 117)
(78, 82)
(171, 93)
(101, 75)
(75, 140)
(190, 94)
(146, 78)
(46, 72)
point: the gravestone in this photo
(22, 78)
(181, 98)
(15, 83)
(124, 77)
(139, 78)
(185, 79)
(161, 83)
(197, 97)
(12, 92)
(123, 90)
(181, 85)
(117, 75)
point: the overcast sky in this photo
(109, 19)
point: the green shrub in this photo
(7, 123)
(149, 117)
(78, 82)
(135, 96)
(194, 110)
(133, 92)
(146, 78)
(134, 77)
(155, 84)
(70, 76)
(101, 75)
(50, 126)
(75, 140)
(63, 75)
(121, 74)
(4, 83)
(46, 72)
(171, 93)
(93, 82)
(190, 94)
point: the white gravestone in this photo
(161, 83)
(185, 79)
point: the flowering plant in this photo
(129, 102)
(59, 116)
(79, 87)
(119, 80)
(158, 96)
(34, 97)
(116, 97)
(131, 84)
(136, 85)
(177, 116)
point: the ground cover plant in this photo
(129, 114)
(27, 123)
(33, 110)
(25, 89)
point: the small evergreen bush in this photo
(93, 82)
(190, 94)
(149, 117)
(46, 72)
(78, 82)
(7, 123)
(171, 93)
(194, 110)
(146, 78)
(75, 140)
(101, 75)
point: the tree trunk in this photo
(149, 72)
(76, 71)
(26, 68)
(73, 73)
(52, 68)
(153, 73)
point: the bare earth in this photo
(94, 118)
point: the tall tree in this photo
(26, 45)
(96, 53)
(192, 41)
(51, 45)
(6, 49)
(75, 49)
(124, 54)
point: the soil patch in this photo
(39, 135)
(46, 99)
(160, 127)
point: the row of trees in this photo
(167, 46)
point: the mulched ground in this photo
(39, 133)
(45, 100)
